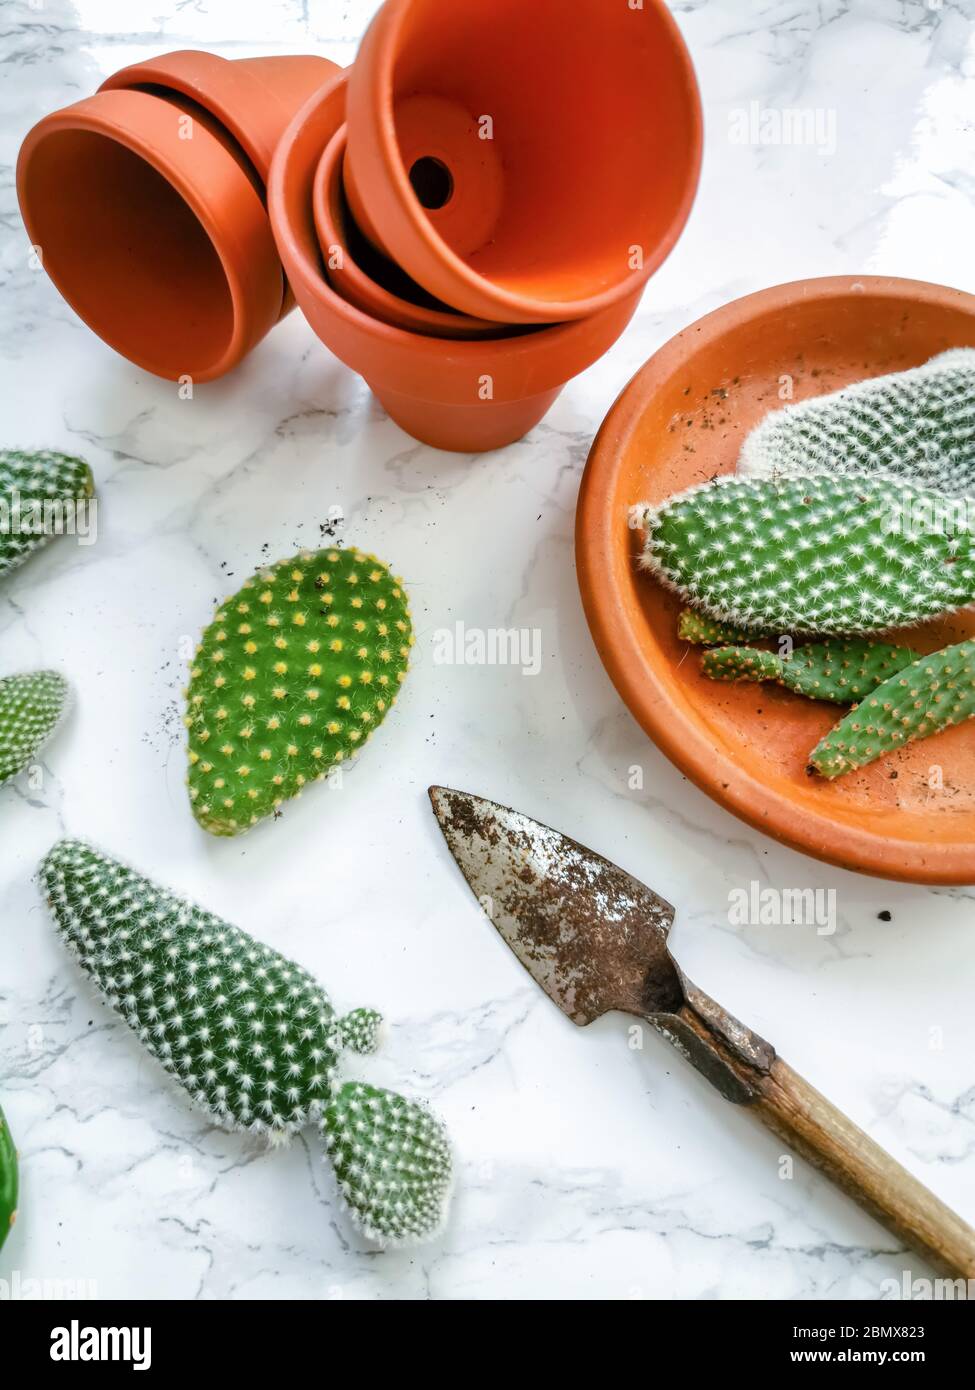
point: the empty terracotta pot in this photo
(161, 243)
(466, 396)
(253, 98)
(354, 268)
(529, 163)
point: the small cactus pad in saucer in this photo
(39, 497)
(293, 675)
(918, 425)
(934, 693)
(702, 631)
(824, 556)
(31, 708)
(838, 671)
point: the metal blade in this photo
(592, 936)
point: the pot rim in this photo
(636, 678)
(375, 75)
(117, 115)
(388, 306)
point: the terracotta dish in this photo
(683, 419)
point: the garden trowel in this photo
(595, 939)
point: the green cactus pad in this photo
(8, 1180)
(934, 693)
(361, 1029)
(31, 708)
(249, 1035)
(807, 555)
(838, 671)
(702, 631)
(293, 675)
(39, 494)
(734, 664)
(918, 425)
(392, 1161)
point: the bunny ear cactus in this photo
(392, 1161)
(702, 631)
(932, 694)
(821, 555)
(40, 496)
(291, 678)
(917, 425)
(837, 671)
(249, 1035)
(31, 708)
(8, 1180)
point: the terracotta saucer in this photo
(911, 815)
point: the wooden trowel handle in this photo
(808, 1123)
(746, 1070)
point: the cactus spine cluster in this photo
(917, 425)
(296, 671)
(249, 1035)
(820, 555)
(932, 694)
(31, 708)
(39, 497)
(8, 1180)
(841, 672)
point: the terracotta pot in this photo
(453, 395)
(160, 243)
(343, 248)
(529, 163)
(747, 746)
(253, 98)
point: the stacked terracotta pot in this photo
(467, 217)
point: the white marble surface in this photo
(586, 1170)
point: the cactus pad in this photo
(702, 631)
(247, 1033)
(934, 693)
(293, 675)
(392, 1161)
(360, 1030)
(838, 671)
(8, 1180)
(31, 708)
(39, 493)
(918, 425)
(807, 555)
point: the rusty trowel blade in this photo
(592, 936)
